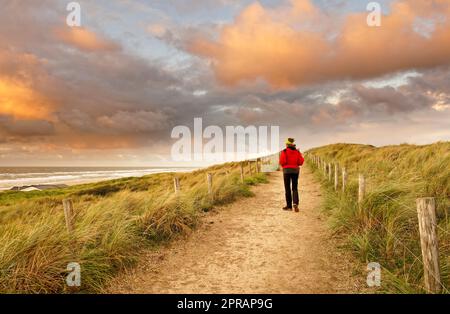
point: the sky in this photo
(110, 92)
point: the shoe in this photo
(296, 208)
(287, 208)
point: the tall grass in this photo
(114, 221)
(385, 228)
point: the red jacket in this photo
(291, 158)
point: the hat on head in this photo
(290, 141)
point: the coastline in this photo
(72, 177)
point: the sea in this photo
(25, 176)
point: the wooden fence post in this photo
(242, 172)
(426, 212)
(68, 214)
(362, 189)
(329, 172)
(209, 179)
(344, 179)
(336, 177)
(176, 184)
(250, 167)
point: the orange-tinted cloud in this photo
(19, 100)
(84, 39)
(20, 95)
(293, 46)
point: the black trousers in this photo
(288, 179)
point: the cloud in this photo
(157, 30)
(86, 98)
(26, 127)
(299, 44)
(84, 39)
(22, 101)
(326, 107)
(200, 6)
(81, 99)
(125, 122)
(387, 99)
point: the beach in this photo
(25, 176)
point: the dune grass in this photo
(114, 221)
(385, 229)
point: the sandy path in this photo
(250, 246)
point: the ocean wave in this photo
(10, 180)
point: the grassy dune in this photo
(114, 221)
(386, 230)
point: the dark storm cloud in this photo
(437, 79)
(27, 128)
(319, 107)
(387, 99)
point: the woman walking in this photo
(291, 160)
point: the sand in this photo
(251, 246)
